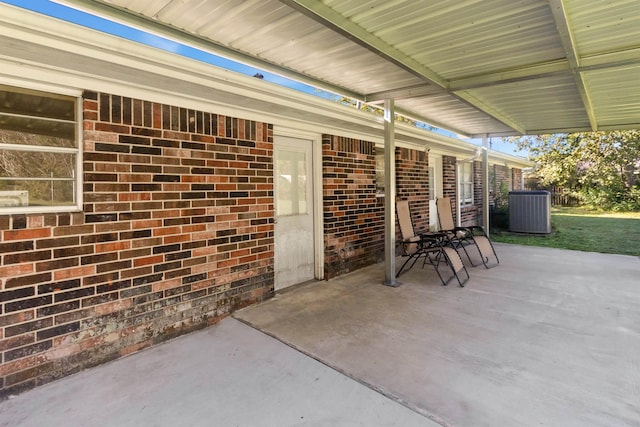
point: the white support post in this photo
(485, 183)
(389, 195)
(458, 194)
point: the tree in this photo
(600, 167)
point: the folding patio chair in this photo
(434, 247)
(460, 237)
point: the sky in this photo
(78, 17)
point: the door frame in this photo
(435, 164)
(316, 165)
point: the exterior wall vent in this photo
(530, 212)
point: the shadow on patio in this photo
(549, 337)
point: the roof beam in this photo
(509, 76)
(431, 122)
(491, 112)
(402, 93)
(561, 19)
(620, 58)
(329, 18)
(609, 60)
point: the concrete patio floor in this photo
(226, 375)
(549, 337)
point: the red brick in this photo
(112, 246)
(17, 270)
(71, 273)
(26, 234)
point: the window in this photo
(39, 152)
(466, 183)
(292, 185)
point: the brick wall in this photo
(470, 215)
(449, 173)
(516, 179)
(500, 184)
(449, 186)
(412, 184)
(353, 215)
(176, 232)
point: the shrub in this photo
(612, 199)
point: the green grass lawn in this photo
(580, 229)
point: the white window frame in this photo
(465, 199)
(76, 206)
(380, 171)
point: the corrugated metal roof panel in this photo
(615, 100)
(602, 26)
(499, 65)
(544, 97)
(463, 38)
(445, 109)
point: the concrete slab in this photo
(226, 375)
(549, 337)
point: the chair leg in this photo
(435, 262)
(413, 257)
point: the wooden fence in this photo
(559, 198)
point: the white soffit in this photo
(474, 67)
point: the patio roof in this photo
(476, 68)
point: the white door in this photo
(294, 244)
(435, 189)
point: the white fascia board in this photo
(441, 144)
(509, 160)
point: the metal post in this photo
(389, 195)
(458, 198)
(485, 183)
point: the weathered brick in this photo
(100, 299)
(108, 277)
(75, 294)
(58, 286)
(17, 341)
(114, 286)
(24, 328)
(57, 308)
(57, 331)
(16, 317)
(28, 350)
